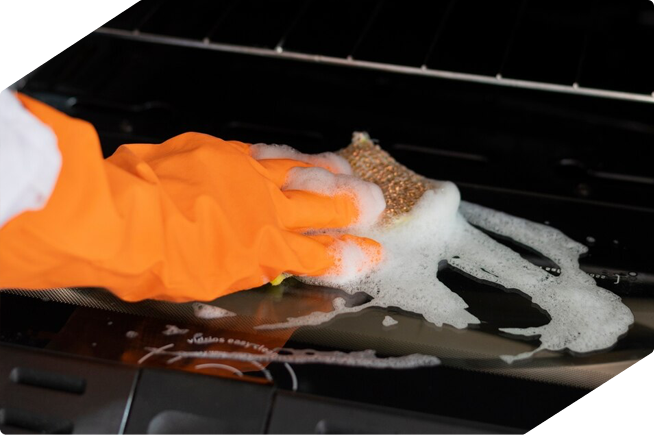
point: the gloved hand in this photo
(193, 218)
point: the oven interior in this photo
(546, 114)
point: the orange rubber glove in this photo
(193, 218)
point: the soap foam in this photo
(366, 358)
(584, 317)
(367, 196)
(389, 321)
(329, 161)
(352, 259)
(406, 276)
(205, 311)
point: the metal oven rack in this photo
(603, 52)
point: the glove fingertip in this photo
(367, 197)
(352, 257)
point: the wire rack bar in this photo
(348, 62)
(303, 9)
(510, 42)
(366, 28)
(439, 31)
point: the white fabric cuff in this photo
(30, 160)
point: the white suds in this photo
(367, 196)
(366, 358)
(205, 311)
(406, 277)
(131, 334)
(389, 321)
(174, 330)
(353, 260)
(329, 161)
(584, 317)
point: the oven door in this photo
(522, 105)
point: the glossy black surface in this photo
(603, 45)
(471, 396)
(581, 148)
(581, 164)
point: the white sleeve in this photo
(29, 159)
